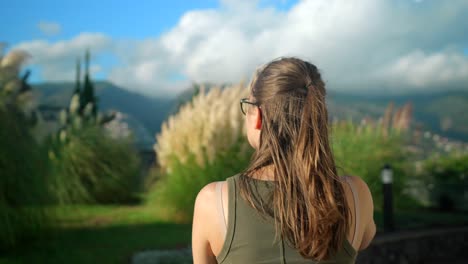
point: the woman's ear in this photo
(258, 123)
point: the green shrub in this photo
(23, 189)
(177, 190)
(447, 179)
(88, 166)
(23, 164)
(362, 150)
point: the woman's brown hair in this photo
(308, 202)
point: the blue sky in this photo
(117, 18)
(160, 47)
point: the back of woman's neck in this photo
(264, 174)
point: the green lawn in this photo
(101, 234)
(111, 234)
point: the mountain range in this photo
(442, 112)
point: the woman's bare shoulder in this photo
(205, 216)
(362, 188)
(366, 205)
(206, 197)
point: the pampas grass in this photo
(88, 166)
(209, 124)
(203, 142)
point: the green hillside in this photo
(441, 112)
(150, 112)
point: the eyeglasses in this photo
(246, 101)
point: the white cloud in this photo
(358, 44)
(421, 70)
(49, 28)
(147, 67)
(353, 42)
(57, 60)
(94, 69)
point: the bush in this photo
(178, 189)
(23, 189)
(88, 166)
(447, 179)
(23, 166)
(363, 150)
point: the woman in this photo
(289, 205)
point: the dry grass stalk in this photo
(211, 123)
(387, 119)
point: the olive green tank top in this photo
(250, 237)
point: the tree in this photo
(88, 100)
(83, 108)
(78, 77)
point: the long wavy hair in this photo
(308, 201)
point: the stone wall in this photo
(441, 246)
(449, 245)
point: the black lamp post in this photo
(387, 180)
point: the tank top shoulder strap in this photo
(231, 223)
(356, 207)
(220, 207)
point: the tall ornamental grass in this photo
(23, 188)
(89, 166)
(203, 142)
